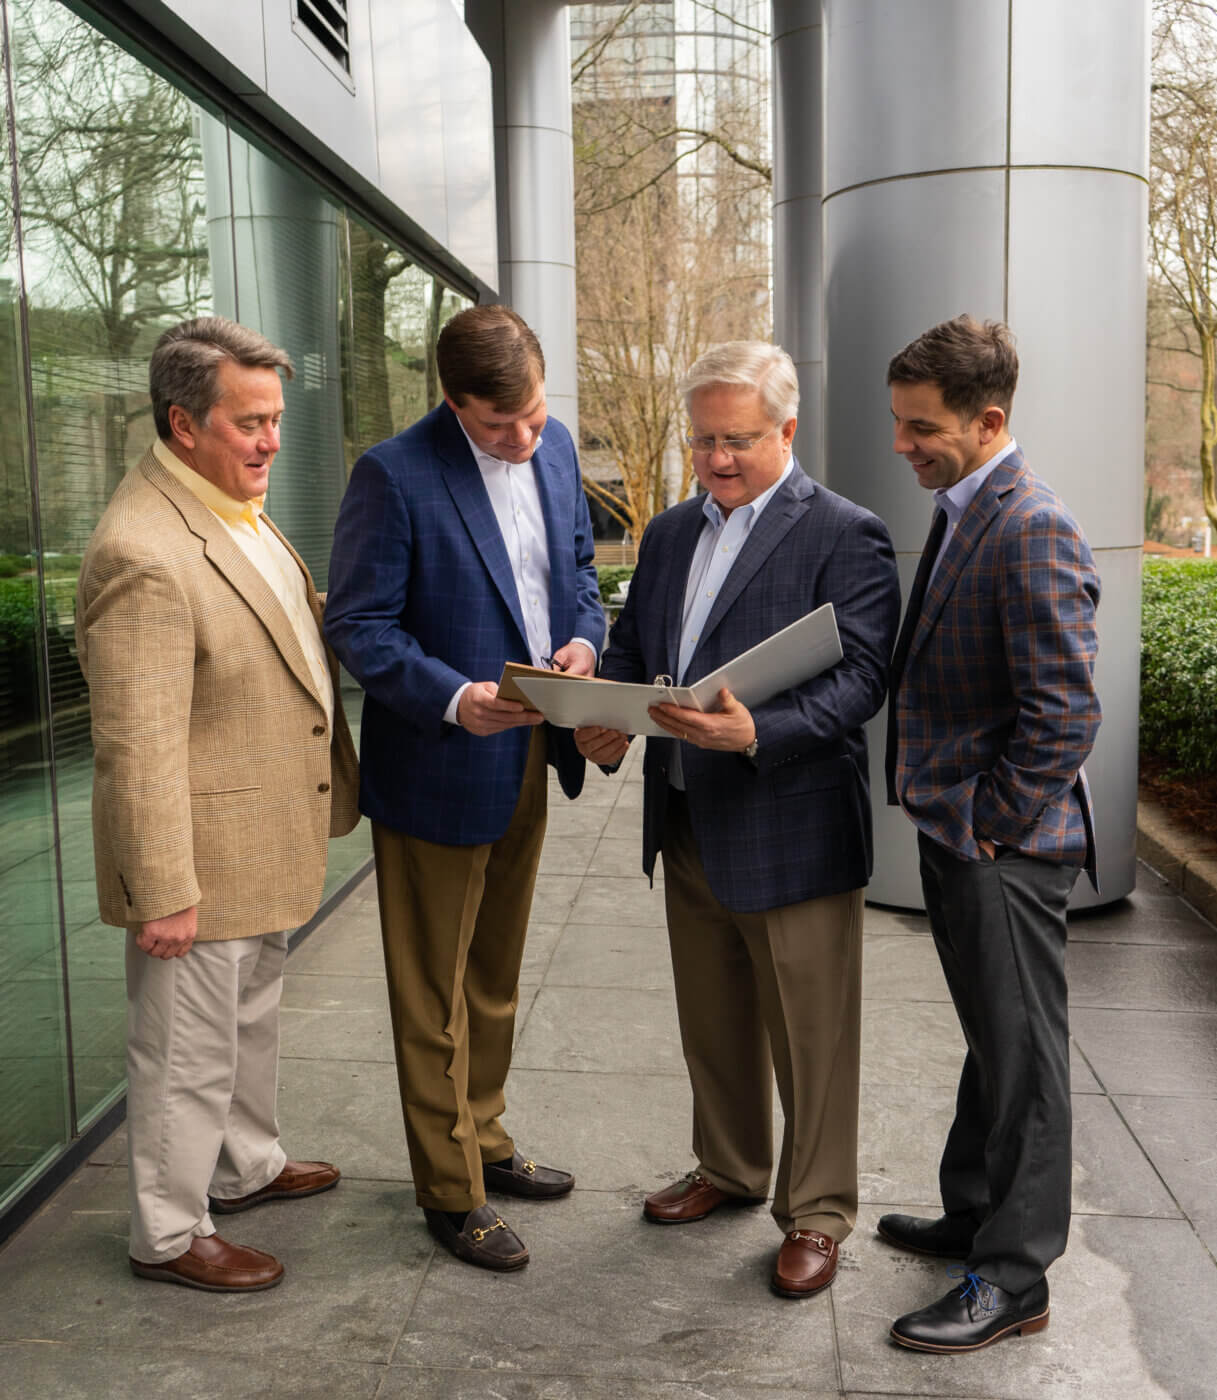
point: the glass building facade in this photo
(128, 203)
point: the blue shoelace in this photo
(973, 1286)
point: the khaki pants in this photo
(453, 921)
(202, 1073)
(777, 993)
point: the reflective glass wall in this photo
(137, 204)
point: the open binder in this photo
(788, 658)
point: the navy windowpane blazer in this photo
(794, 823)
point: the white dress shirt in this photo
(516, 502)
(956, 499)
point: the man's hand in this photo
(170, 937)
(575, 659)
(729, 729)
(481, 712)
(603, 746)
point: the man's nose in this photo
(521, 432)
(901, 440)
(269, 439)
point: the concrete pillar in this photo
(990, 156)
(798, 186)
(528, 45)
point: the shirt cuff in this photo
(450, 712)
(591, 646)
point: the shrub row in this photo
(1179, 662)
(610, 576)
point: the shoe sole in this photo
(150, 1271)
(1022, 1329)
(917, 1249)
(226, 1208)
(731, 1203)
(775, 1287)
(526, 1195)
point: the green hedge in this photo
(1179, 662)
(610, 576)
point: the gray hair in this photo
(186, 363)
(748, 364)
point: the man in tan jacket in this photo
(222, 764)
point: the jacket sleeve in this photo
(1049, 595)
(859, 579)
(369, 587)
(135, 638)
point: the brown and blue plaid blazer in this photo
(996, 707)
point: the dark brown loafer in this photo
(525, 1178)
(216, 1266)
(690, 1198)
(485, 1239)
(807, 1262)
(296, 1179)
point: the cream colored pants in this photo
(202, 1072)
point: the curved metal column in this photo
(798, 187)
(528, 45)
(990, 156)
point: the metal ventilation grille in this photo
(326, 21)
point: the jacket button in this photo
(319, 729)
(323, 787)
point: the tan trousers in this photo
(775, 994)
(202, 1073)
(453, 921)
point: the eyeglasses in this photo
(703, 444)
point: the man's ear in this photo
(992, 421)
(181, 425)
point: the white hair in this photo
(748, 364)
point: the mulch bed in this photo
(1191, 800)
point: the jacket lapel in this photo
(788, 504)
(469, 495)
(983, 509)
(225, 554)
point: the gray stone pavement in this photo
(613, 1307)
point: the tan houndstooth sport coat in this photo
(216, 779)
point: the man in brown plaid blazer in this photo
(992, 712)
(222, 765)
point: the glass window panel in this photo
(34, 1100)
(114, 204)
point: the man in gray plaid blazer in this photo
(763, 815)
(992, 713)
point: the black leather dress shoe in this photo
(525, 1178)
(972, 1316)
(484, 1239)
(948, 1237)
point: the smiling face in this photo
(512, 436)
(235, 444)
(939, 446)
(733, 411)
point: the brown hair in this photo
(186, 363)
(489, 352)
(973, 363)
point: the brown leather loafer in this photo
(690, 1198)
(525, 1178)
(485, 1239)
(216, 1266)
(807, 1262)
(296, 1179)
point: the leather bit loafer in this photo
(296, 1179)
(484, 1239)
(690, 1198)
(806, 1263)
(948, 1237)
(216, 1266)
(974, 1315)
(525, 1178)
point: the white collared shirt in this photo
(268, 554)
(954, 500)
(516, 502)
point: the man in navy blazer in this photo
(763, 815)
(461, 544)
(993, 713)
